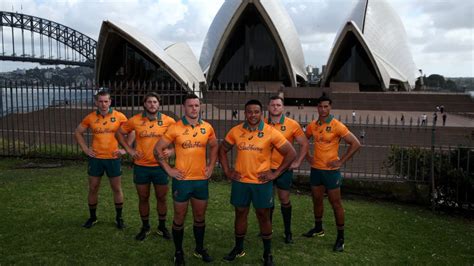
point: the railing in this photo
(39, 121)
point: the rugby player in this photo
(291, 130)
(190, 136)
(327, 132)
(149, 126)
(104, 154)
(252, 178)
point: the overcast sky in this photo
(440, 32)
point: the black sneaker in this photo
(268, 260)
(179, 258)
(289, 238)
(203, 255)
(120, 224)
(90, 222)
(339, 245)
(235, 253)
(163, 232)
(314, 232)
(144, 232)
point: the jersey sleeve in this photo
(230, 138)
(129, 125)
(170, 134)
(278, 139)
(298, 130)
(122, 118)
(171, 120)
(86, 122)
(309, 130)
(212, 133)
(342, 130)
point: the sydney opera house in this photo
(255, 41)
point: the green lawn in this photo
(42, 211)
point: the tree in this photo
(435, 81)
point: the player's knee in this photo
(117, 189)
(161, 199)
(143, 199)
(94, 189)
(284, 199)
(263, 214)
(336, 204)
(199, 216)
(178, 218)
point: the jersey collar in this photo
(282, 119)
(158, 116)
(108, 112)
(327, 120)
(260, 126)
(186, 122)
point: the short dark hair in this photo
(324, 98)
(254, 102)
(149, 95)
(188, 97)
(276, 97)
(102, 92)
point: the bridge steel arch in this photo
(77, 41)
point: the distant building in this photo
(19, 71)
(312, 75)
(253, 41)
(371, 51)
(125, 54)
(48, 75)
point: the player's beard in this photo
(150, 113)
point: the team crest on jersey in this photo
(203, 131)
(260, 134)
(160, 123)
(112, 119)
(283, 128)
(328, 129)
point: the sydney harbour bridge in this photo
(28, 38)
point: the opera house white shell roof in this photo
(277, 19)
(381, 32)
(178, 59)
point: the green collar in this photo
(260, 126)
(327, 120)
(158, 116)
(109, 112)
(185, 121)
(282, 119)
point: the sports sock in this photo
(118, 210)
(92, 211)
(199, 229)
(145, 222)
(178, 235)
(239, 242)
(286, 213)
(161, 221)
(340, 231)
(318, 223)
(267, 244)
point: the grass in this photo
(42, 211)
